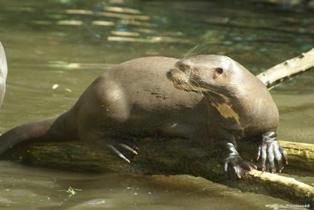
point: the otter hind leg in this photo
(104, 117)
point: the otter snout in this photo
(177, 76)
(183, 66)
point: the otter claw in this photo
(120, 154)
(235, 166)
(127, 147)
(116, 151)
(270, 152)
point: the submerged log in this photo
(175, 156)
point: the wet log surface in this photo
(175, 156)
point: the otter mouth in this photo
(189, 81)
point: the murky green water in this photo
(56, 48)
(22, 186)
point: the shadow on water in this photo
(55, 48)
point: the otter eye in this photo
(219, 70)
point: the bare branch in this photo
(287, 69)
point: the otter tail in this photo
(3, 72)
(54, 128)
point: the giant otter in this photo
(3, 73)
(203, 98)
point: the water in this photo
(23, 186)
(55, 48)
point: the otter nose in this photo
(182, 66)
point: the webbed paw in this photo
(271, 153)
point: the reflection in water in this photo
(102, 23)
(48, 189)
(153, 39)
(70, 22)
(121, 13)
(122, 10)
(56, 48)
(124, 33)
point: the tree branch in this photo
(287, 69)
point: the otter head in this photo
(231, 89)
(219, 78)
(211, 74)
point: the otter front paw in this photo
(270, 153)
(235, 166)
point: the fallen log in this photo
(80, 157)
(175, 156)
(301, 155)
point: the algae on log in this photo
(173, 156)
(300, 155)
